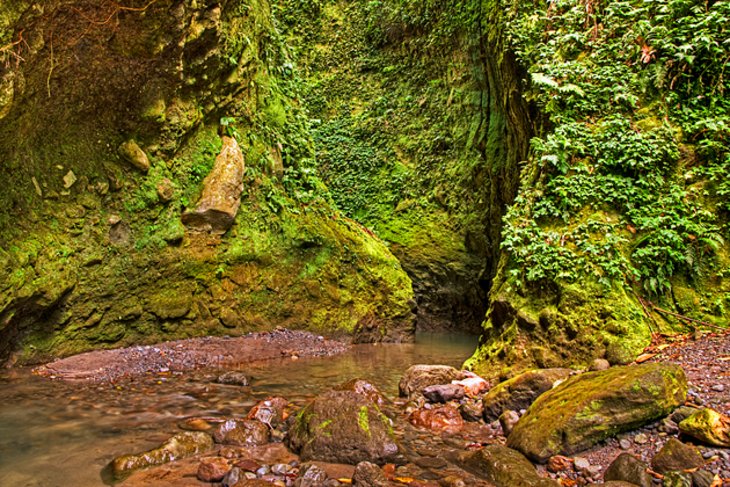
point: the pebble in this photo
(624, 443)
(581, 464)
(641, 439)
(718, 388)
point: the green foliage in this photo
(602, 75)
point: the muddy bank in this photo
(181, 355)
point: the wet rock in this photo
(473, 384)
(471, 409)
(559, 463)
(519, 392)
(628, 468)
(232, 478)
(708, 426)
(241, 433)
(676, 455)
(343, 427)
(443, 392)
(624, 443)
(596, 405)
(270, 411)
(248, 465)
(504, 467)
(508, 420)
(196, 424)
(311, 475)
(179, 446)
(213, 469)
(133, 154)
(364, 388)
(444, 418)
(233, 378)
(677, 479)
(369, 475)
(599, 364)
(418, 377)
(222, 188)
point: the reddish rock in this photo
(213, 469)
(248, 465)
(271, 411)
(364, 388)
(559, 463)
(444, 418)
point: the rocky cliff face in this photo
(110, 118)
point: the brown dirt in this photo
(181, 355)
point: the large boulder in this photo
(708, 426)
(418, 377)
(218, 204)
(504, 467)
(343, 427)
(521, 391)
(179, 446)
(596, 405)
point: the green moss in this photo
(363, 419)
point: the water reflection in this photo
(61, 434)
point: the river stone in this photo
(676, 455)
(444, 418)
(181, 445)
(519, 392)
(628, 468)
(508, 420)
(343, 427)
(311, 475)
(270, 411)
(418, 377)
(594, 406)
(504, 467)
(369, 475)
(233, 378)
(364, 388)
(218, 204)
(133, 154)
(708, 426)
(444, 392)
(213, 469)
(242, 433)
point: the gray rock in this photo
(218, 204)
(311, 475)
(624, 443)
(641, 439)
(676, 455)
(702, 478)
(418, 377)
(369, 475)
(628, 468)
(234, 378)
(503, 467)
(519, 392)
(133, 154)
(718, 388)
(443, 393)
(682, 413)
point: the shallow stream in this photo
(58, 434)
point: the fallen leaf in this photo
(404, 480)
(644, 357)
(345, 481)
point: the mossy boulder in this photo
(180, 446)
(597, 405)
(676, 456)
(708, 426)
(504, 467)
(343, 427)
(519, 392)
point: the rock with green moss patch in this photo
(597, 405)
(519, 392)
(504, 467)
(133, 154)
(708, 426)
(179, 446)
(343, 427)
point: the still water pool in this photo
(57, 434)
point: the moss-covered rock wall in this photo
(94, 253)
